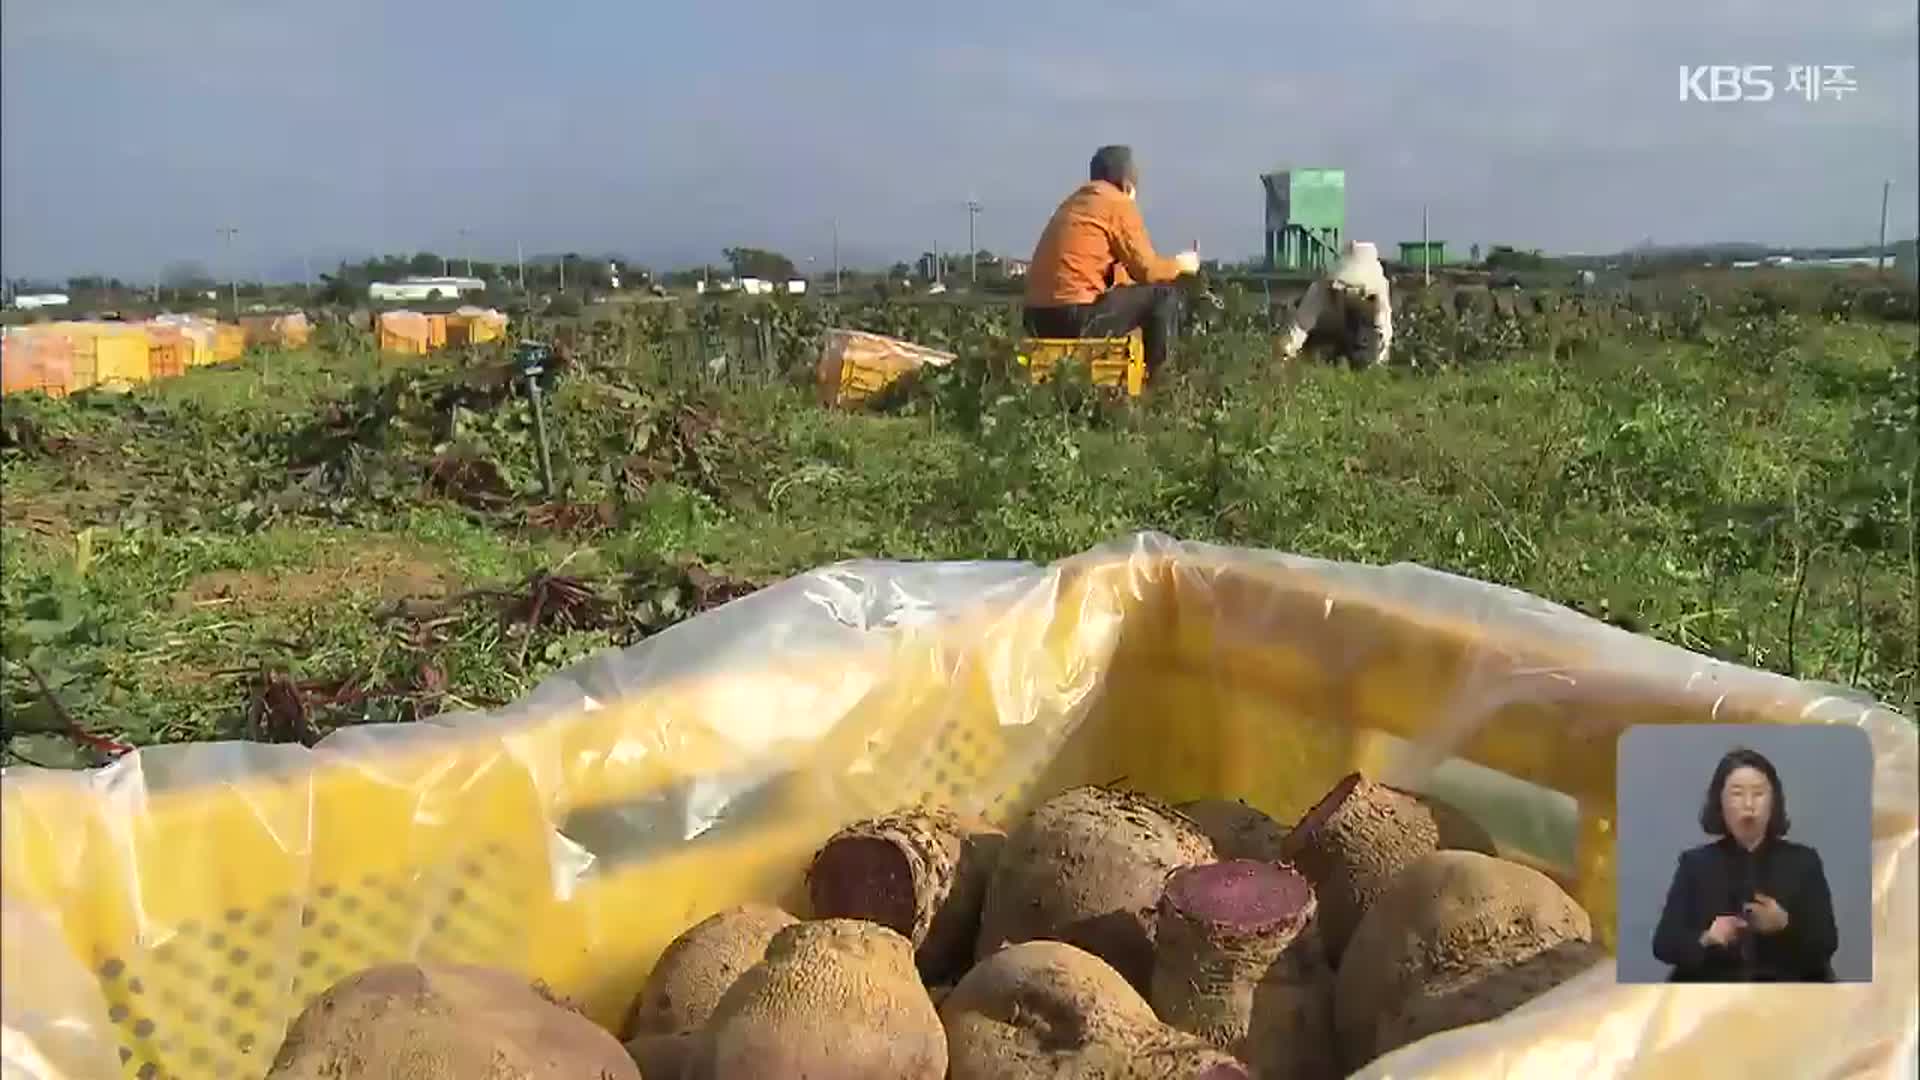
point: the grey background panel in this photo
(1827, 772)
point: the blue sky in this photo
(130, 130)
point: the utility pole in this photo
(306, 272)
(836, 256)
(1426, 249)
(520, 259)
(466, 252)
(563, 273)
(233, 282)
(973, 244)
(1886, 188)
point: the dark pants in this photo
(1154, 310)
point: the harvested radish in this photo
(687, 982)
(444, 1022)
(1459, 938)
(834, 998)
(1087, 867)
(1238, 964)
(1045, 1009)
(921, 873)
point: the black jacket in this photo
(1717, 879)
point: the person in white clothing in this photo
(1350, 304)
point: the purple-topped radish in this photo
(1239, 964)
(1087, 867)
(921, 873)
(1351, 844)
(1238, 831)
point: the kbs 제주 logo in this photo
(1756, 82)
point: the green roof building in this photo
(1306, 218)
(1423, 252)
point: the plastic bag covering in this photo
(472, 325)
(855, 365)
(35, 358)
(293, 329)
(201, 332)
(182, 904)
(276, 331)
(402, 332)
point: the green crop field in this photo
(308, 540)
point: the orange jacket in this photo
(1095, 241)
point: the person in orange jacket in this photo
(1094, 272)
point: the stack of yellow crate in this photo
(475, 325)
(169, 350)
(229, 343)
(200, 334)
(36, 358)
(402, 332)
(112, 355)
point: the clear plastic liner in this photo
(178, 908)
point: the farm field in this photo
(310, 539)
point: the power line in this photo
(233, 282)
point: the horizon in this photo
(1746, 248)
(670, 135)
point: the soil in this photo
(391, 570)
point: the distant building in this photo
(1423, 252)
(36, 301)
(796, 287)
(425, 288)
(1016, 267)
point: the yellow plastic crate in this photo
(402, 333)
(1118, 361)
(108, 354)
(475, 328)
(202, 336)
(175, 915)
(229, 343)
(855, 366)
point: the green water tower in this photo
(1306, 218)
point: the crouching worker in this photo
(1094, 272)
(1349, 305)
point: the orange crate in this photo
(169, 351)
